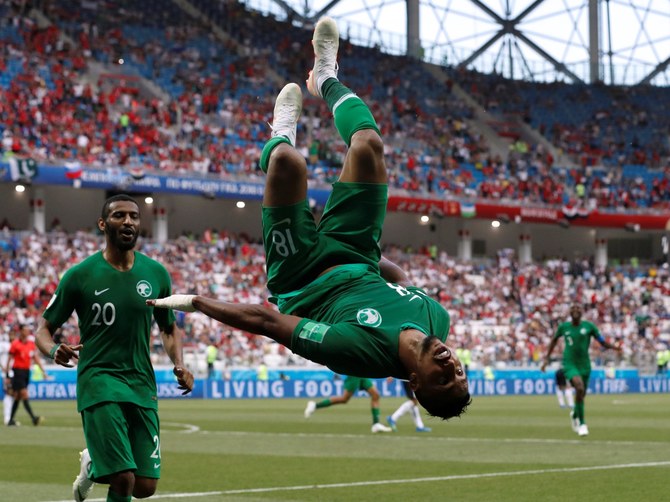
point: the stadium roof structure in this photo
(616, 42)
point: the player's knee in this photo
(286, 162)
(122, 483)
(368, 143)
(144, 487)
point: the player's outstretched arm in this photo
(251, 318)
(607, 345)
(61, 353)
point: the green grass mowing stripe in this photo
(388, 482)
(247, 444)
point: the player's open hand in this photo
(65, 353)
(184, 378)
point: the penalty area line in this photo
(398, 481)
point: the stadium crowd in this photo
(217, 97)
(506, 318)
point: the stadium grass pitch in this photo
(503, 449)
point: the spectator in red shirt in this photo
(22, 352)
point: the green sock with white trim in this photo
(267, 150)
(350, 112)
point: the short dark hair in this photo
(115, 198)
(445, 408)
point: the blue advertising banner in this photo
(312, 389)
(119, 179)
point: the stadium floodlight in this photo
(20, 188)
(240, 204)
(149, 200)
(495, 224)
(424, 219)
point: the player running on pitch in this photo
(577, 335)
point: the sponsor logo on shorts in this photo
(144, 289)
(369, 317)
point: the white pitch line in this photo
(188, 428)
(399, 481)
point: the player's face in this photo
(576, 313)
(122, 225)
(439, 371)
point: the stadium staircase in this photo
(484, 123)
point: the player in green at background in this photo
(116, 386)
(341, 304)
(577, 335)
(351, 386)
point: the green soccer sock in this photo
(350, 112)
(579, 412)
(375, 415)
(115, 497)
(267, 150)
(323, 404)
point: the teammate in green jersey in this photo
(116, 386)
(577, 335)
(341, 304)
(351, 386)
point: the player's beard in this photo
(114, 237)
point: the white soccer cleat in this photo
(574, 422)
(583, 430)
(325, 41)
(82, 486)
(380, 428)
(310, 408)
(288, 107)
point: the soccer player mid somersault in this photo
(341, 304)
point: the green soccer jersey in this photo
(577, 340)
(115, 326)
(354, 319)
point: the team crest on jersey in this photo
(583, 331)
(369, 317)
(143, 289)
